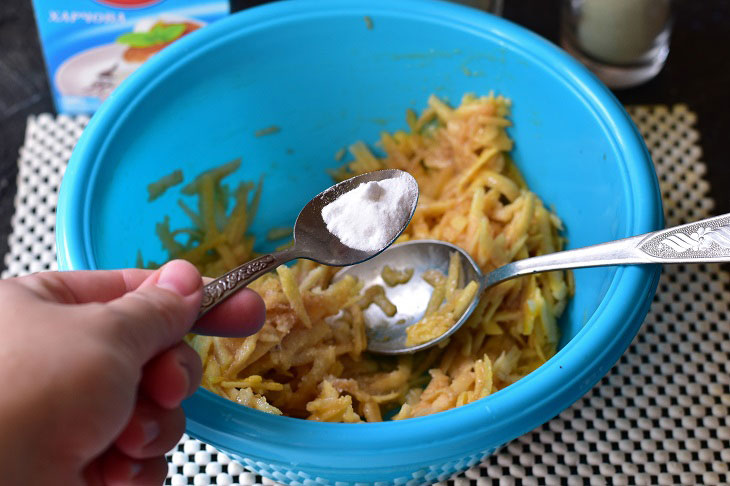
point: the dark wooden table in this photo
(697, 73)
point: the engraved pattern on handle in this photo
(702, 240)
(222, 287)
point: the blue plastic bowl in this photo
(319, 73)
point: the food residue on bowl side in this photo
(267, 131)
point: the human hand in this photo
(94, 369)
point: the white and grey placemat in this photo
(659, 417)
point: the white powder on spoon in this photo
(370, 215)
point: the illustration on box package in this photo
(91, 46)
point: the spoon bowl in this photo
(312, 239)
(386, 334)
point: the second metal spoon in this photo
(703, 241)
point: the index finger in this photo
(242, 314)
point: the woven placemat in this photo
(659, 417)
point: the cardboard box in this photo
(90, 46)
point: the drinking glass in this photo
(624, 42)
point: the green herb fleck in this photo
(159, 34)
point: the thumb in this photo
(158, 313)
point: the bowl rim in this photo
(499, 417)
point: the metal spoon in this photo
(312, 240)
(703, 241)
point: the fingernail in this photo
(150, 431)
(179, 277)
(134, 470)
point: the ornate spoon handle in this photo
(224, 286)
(707, 240)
